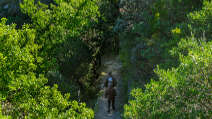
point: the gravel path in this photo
(114, 65)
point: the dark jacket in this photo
(114, 83)
(111, 93)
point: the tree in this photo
(24, 93)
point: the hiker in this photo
(110, 81)
(110, 94)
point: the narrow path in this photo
(110, 64)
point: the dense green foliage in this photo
(59, 25)
(62, 32)
(61, 38)
(23, 91)
(51, 58)
(182, 92)
(175, 54)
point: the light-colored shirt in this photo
(110, 81)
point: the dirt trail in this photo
(112, 64)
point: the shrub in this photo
(182, 92)
(23, 92)
(182, 89)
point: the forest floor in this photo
(110, 64)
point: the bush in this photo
(69, 41)
(181, 92)
(182, 89)
(23, 92)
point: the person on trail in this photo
(110, 81)
(110, 94)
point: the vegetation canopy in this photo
(51, 58)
